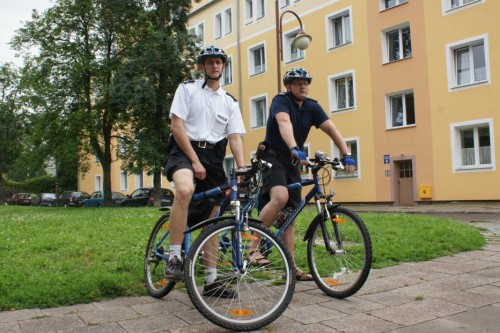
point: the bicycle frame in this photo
(230, 201)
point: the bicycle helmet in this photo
(296, 73)
(211, 51)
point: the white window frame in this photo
(229, 163)
(199, 31)
(384, 6)
(355, 155)
(227, 74)
(252, 68)
(448, 6)
(98, 183)
(253, 111)
(333, 92)
(385, 43)
(223, 24)
(284, 3)
(139, 180)
(254, 10)
(452, 62)
(389, 111)
(290, 52)
(123, 181)
(331, 31)
(456, 146)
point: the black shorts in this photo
(283, 173)
(212, 163)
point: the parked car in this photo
(23, 199)
(96, 199)
(44, 200)
(144, 196)
(71, 199)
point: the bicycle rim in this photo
(261, 293)
(341, 268)
(157, 284)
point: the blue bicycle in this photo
(261, 293)
(339, 250)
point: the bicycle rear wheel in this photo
(156, 259)
(259, 294)
(339, 252)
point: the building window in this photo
(449, 5)
(258, 112)
(123, 181)
(98, 186)
(254, 10)
(227, 75)
(342, 94)
(199, 32)
(291, 53)
(223, 23)
(284, 3)
(139, 180)
(229, 164)
(472, 145)
(400, 110)
(386, 4)
(339, 30)
(397, 44)
(257, 60)
(468, 62)
(352, 145)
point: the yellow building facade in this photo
(409, 83)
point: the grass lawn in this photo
(63, 256)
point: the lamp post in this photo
(301, 41)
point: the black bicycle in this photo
(260, 294)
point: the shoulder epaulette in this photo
(234, 99)
(189, 81)
(309, 98)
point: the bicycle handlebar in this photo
(321, 159)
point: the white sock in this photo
(210, 275)
(175, 251)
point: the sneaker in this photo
(174, 269)
(218, 289)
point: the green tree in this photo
(81, 45)
(161, 59)
(11, 122)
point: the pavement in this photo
(459, 293)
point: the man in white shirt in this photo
(201, 113)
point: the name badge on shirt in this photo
(221, 118)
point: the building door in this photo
(405, 183)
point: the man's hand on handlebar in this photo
(349, 163)
(298, 156)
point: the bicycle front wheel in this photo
(339, 252)
(249, 297)
(156, 259)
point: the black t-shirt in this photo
(310, 114)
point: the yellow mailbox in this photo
(425, 192)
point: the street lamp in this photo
(301, 41)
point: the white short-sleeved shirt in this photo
(208, 115)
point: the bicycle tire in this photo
(341, 272)
(157, 284)
(261, 293)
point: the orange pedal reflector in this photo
(248, 236)
(332, 282)
(241, 312)
(165, 227)
(338, 220)
(163, 282)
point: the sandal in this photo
(255, 258)
(300, 275)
